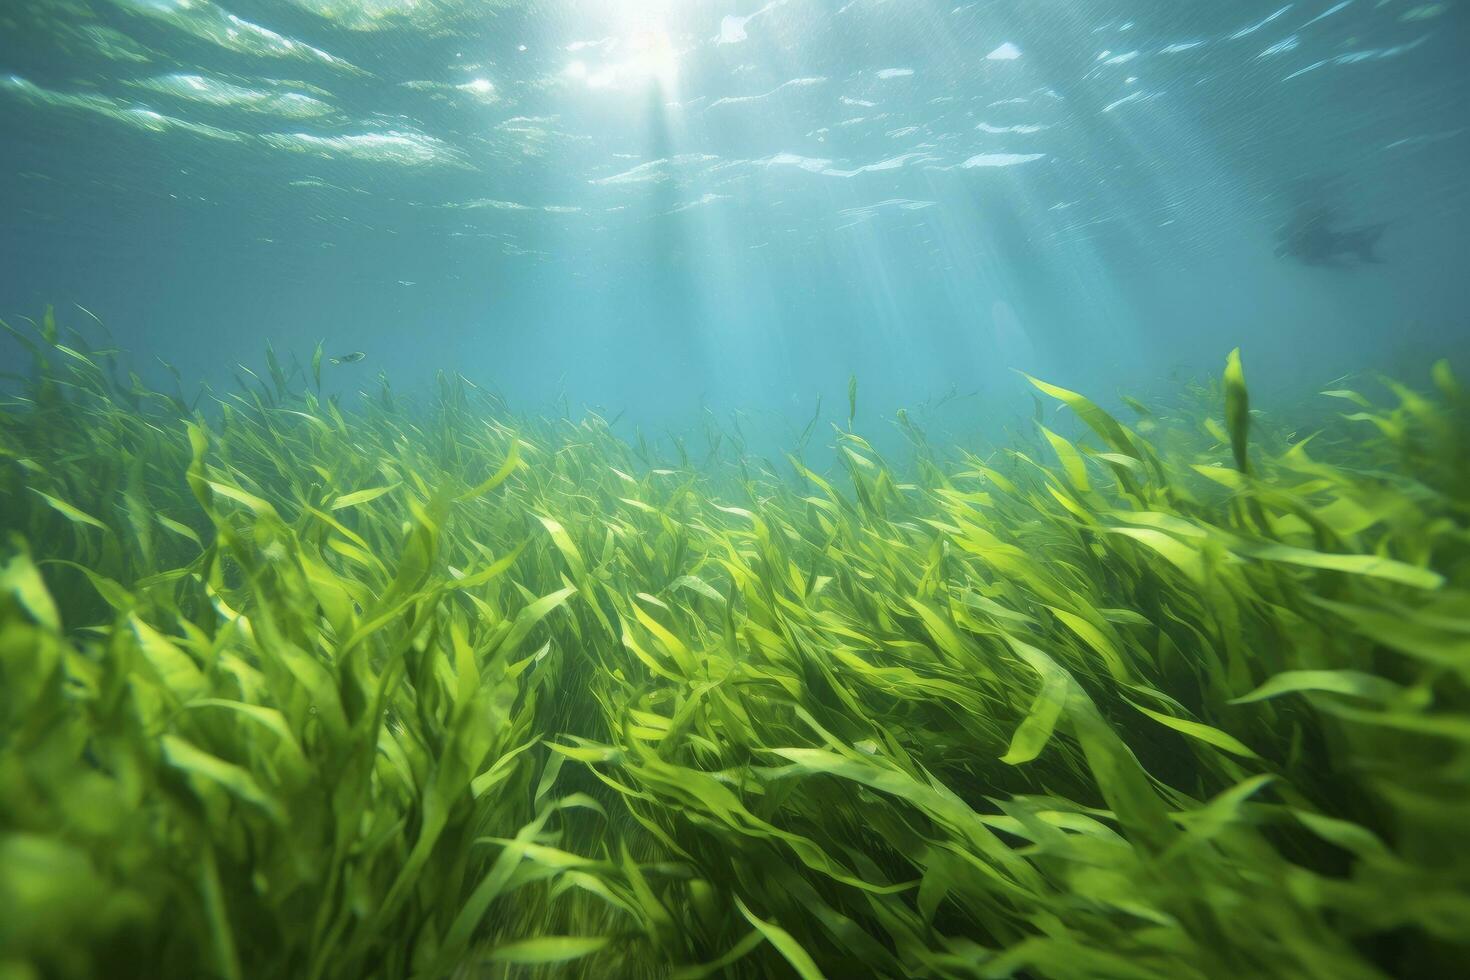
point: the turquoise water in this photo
(978, 680)
(650, 207)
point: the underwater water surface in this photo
(816, 488)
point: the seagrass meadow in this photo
(425, 688)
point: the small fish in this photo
(1310, 238)
(352, 358)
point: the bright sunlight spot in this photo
(653, 56)
(641, 53)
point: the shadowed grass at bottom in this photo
(434, 689)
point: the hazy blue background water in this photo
(647, 205)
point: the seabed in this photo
(425, 688)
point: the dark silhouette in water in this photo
(1310, 238)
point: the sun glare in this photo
(652, 55)
(641, 53)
